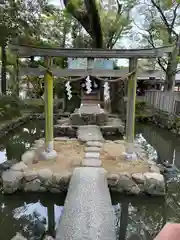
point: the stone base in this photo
(49, 155)
(126, 179)
(89, 114)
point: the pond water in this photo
(30, 214)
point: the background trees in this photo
(159, 23)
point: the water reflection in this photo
(30, 214)
(139, 219)
(159, 143)
(17, 142)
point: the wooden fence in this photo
(166, 102)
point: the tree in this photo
(104, 22)
(20, 21)
(160, 22)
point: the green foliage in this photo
(10, 106)
(140, 106)
(59, 88)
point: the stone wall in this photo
(20, 177)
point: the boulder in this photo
(46, 176)
(154, 183)
(55, 190)
(21, 166)
(138, 178)
(154, 168)
(33, 186)
(18, 237)
(28, 157)
(61, 138)
(30, 175)
(126, 184)
(6, 165)
(113, 179)
(11, 181)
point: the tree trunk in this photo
(169, 81)
(3, 69)
(171, 68)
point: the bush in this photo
(10, 106)
(140, 106)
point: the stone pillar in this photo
(130, 117)
(49, 153)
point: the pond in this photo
(31, 214)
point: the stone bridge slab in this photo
(88, 212)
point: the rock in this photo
(54, 190)
(94, 144)
(126, 184)
(92, 149)
(18, 237)
(19, 167)
(32, 186)
(39, 142)
(61, 139)
(112, 179)
(30, 175)
(138, 178)
(45, 175)
(92, 155)
(150, 162)
(6, 165)
(28, 157)
(11, 181)
(154, 183)
(61, 178)
(56, 178)
(154, 168)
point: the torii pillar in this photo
(131, 104)
(49, 152)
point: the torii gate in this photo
(24, 51)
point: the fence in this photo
(164, 101)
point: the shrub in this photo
(10, 106)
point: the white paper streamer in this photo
(106, 91)
(68, 89)
(88, 85)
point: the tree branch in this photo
(163, 17)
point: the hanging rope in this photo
(117, 79)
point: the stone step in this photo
(94, 144)
(92, 149)
(91, 162)
(89, 133)
(92, 155)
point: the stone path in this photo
(93, 138)
(88, 211)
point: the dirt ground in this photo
(71, 152)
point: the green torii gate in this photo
(24, 51)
